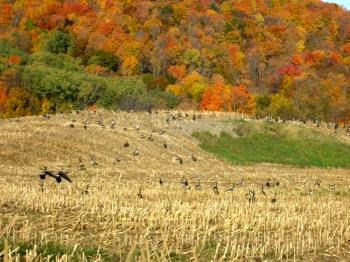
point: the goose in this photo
(216, 188)
(139, 194)
(184, 182)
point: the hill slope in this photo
(279, 143)
(281, 58)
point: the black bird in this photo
(165, 145)
(71, 126)
(160, 181)
(139, 194)
(274, 199)
(126, 144)
(184, 182)
(216, 188)
(268, 183)
(45, 173)
(58, 177)
(85, 124)
(179, 159)
(62, 174)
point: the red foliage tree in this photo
(3, 97)
(290, 70)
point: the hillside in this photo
(103, 214)
(281, 58)
(281, 143)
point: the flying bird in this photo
(62, 174)
(45, 173)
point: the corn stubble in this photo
(305, 217)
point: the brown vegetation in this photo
(122, 208)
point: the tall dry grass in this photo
(309, 221)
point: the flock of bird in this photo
(250, 195)
(58, 176)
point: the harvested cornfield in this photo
(143, 190)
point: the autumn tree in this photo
(60, 42)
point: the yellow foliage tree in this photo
(130, 66)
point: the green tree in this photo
(105, 59)
(192, 58)
(60, 42)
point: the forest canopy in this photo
(267, 57)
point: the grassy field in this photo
(264, 142)
(262, 212)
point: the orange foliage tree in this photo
(212, 98)
(177, 71)
(6, 13)
(242, 100)
(3, 97)
(14, 60)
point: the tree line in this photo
(280, 58)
